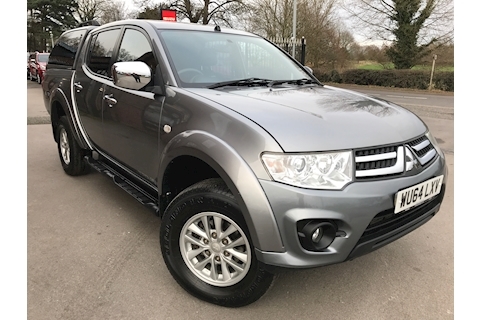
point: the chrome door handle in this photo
(78, 86)
(110, 100)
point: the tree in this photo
(48, 19)
(341, 41)
(205, 11)
(103, 11)
(58, 12)
(90, 9)
(327, 40)
(149, 10)
(272, 18)
(114, 10)
(445, 56)
(412, 26)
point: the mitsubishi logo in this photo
(410, 159)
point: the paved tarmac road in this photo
(93, 253)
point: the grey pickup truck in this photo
(249, 161)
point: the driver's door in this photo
(131, 118)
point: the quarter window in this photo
(66, 48)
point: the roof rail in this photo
(89, 23)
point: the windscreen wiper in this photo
(249, 82)
(297, 82)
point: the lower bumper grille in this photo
(386, 226)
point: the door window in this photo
(135, 47)
(101, 51)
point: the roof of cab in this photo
(168, 25)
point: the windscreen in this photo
(202, 58)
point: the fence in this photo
(296, 48)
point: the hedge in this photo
(413, 79)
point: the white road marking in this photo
(425, 106)
(405, 97)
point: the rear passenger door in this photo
(91, 77)
(131, 123)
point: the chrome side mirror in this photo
(310, 70)
(133, 75)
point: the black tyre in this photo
(207, 248)
(71, 155)
(39, 80)
(30, 76)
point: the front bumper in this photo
(363, 212)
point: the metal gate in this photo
(295, 48)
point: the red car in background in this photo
(38, 64)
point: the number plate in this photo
(407, 198)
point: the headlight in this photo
(434, 142)
(42, 67)
(332, 170)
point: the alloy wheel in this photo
(64, 146)
(215, 249)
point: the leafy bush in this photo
(443, 81)
(322, 76)
(335, 76)
(413, 79)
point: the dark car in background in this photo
(37, 66)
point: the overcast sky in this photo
(361, 40)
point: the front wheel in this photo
(71, 155)
(39, 80)
(207, 248)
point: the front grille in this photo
(423, 149)
(369, 152)
(393, 160)
(373, 163)
(417, 141)
(386, 221)
(376, 164)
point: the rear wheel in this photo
(70, 153)
(207, 248)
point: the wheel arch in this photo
(59, 106)
(208, 151)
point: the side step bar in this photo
(128, 185)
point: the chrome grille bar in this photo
(421, 145)
(424, 150)
(427, 156)
(376, 157)
(397, 168)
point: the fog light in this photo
(316, 235)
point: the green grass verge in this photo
(378, 66)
